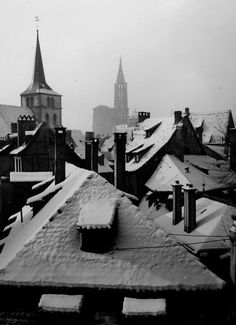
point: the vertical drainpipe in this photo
(60, 159)
(89, 136)
(119, 167)
(189, 208)
(232, 235)
(177, 206)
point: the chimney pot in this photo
(189, 208)
(177, 203)
(178, 116)
(187, 111)
(119, 166)
(60, 168)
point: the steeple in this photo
(120, 96)
(38, 83)
(120, 76)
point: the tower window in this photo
(27, 102)
(47, 118)
(52, 102)
(54, 119)
(48, 102)
(31, 101)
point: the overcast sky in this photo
(175, 53)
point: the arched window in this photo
(27, 102)
(52, 102)
(47, 118)
(54, 119)
(48, 102)
(31, 101)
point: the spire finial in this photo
(36, 18)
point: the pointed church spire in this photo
(38, 73)
(120, 77)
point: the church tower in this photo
(44, 102)
(120, 97)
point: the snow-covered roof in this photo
(215, 125)
(8, 115)
(142, 258)
(29, 176)
(96, 215)
(19, 149)
(171, 169)
(212, 229)
(156, 141)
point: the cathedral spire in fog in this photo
(120, 96)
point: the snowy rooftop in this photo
(157, 140)
(171, 169)
(212, 230)
(47, 251)
(98, 214)
(215, 125)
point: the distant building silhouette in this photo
(44, 102)
(106, 118)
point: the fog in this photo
(175, 53)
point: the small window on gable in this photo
(18, 164)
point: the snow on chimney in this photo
(189, 208)
(119, 166)
(60, 168)
(178, 117)
(143, 116)
(232, 136)
(177, 200)
(232, 235)
(24, 123)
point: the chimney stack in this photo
(187, 111)
(232, 137)
(95, 155)
(24, 123)
(143, 116)
(177, 200)
(60, 159)
(232, 235)
(119, 167)
(179, 142)
(189, 208)
(89, 136)
(178, 116)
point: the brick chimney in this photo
(232, 236)
(178, 116)
(179, 142)
(187, 111)
(60, 140)
(177, 200)
(89, 136)
(189, 208)
(24, 123)
(119, 163)
(143, 116)
(232, 137)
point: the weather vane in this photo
(37, 22)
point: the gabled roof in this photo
(39, 84)
(215, 125)
(142, 257)
(155, 142)
(171, 169)
(211, 233)
(9, 114)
